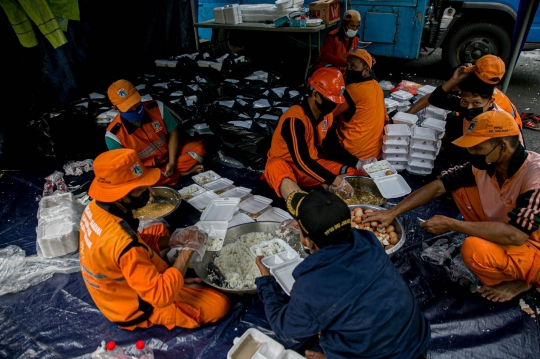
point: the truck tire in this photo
(473, 40)
(230, 42)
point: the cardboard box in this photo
(328, 11)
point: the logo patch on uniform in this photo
(157, 127)
(473, 124)
(324, 124)
(342, 91)
(122, 93)
(136, 170)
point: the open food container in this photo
(379, 169)
(191, 191)
(274, 214)
(275, 252)
(218, 185)
(405, 119)
(215, 221)
(253, 344)
(389, 183)
(237, 192)
(254, 205)
(240, 218)
(205, 177)
(283, 274)
(201, 201)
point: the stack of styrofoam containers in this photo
(438, 125)
(232, 14)
(219, 15)
(423, 149)
(424, 90)
(391, 104)
(405, 119)
(403, 99)
(395, 145)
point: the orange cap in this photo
(490, 124)
(361, 54)
(329, 82)
(119, 172)
(123, 95)
(490, 69)
(351, 15)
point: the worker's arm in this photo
(419, 105)
(335, 149)
(328, 53)
(173, 152)
(293, 132)
(441, 96)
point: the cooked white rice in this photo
(213, 243)
(269, 249)
(236, 262)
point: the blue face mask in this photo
(135, 115)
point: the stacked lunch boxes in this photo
(396, 145)
(403, 98)
(423, 149)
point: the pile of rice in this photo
(269, 249)
(213, 243)
(236, 262)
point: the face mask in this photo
(350, 33)
(137, 202)
(471, 113)
(352, 76)
(326, 106)
(133, 116)
(479, 161)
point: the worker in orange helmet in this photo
(338, 41)
(128, 281)
(293, 158)
(149, 128)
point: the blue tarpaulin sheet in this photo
(58, 319)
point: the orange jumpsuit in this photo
(150, 140)
(480, 199)
(130, 284)
(293, 152)
(361, 119)
(335, 43)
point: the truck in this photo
(464, 30)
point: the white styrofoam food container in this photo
(405, 118)
(240, 218)
(278, 241)
(435, 112)
(220, 209)
(423, 134)
(426, 89)
(379, 169)
(402, 141)
(254, 344)
(418, 162)
(393, 186)
(433, 123)
(272, 261)
(201, 201)
(397, 132)
(283, 274)
(394, 149)
(429, 146)
(205, 177)
(255, 204)
(399, 166)
(237, 192)
(274, 214)
(216, 230)
(191, 190)
(418, 170)
(218, 184)
(219, 16)
(423, 155)
(395, 157)
(401, 95)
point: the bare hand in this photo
(192, 280)
(459, 75)
(385, 217)
(437, 224)
(264, 270)
(169, 170)
(373, 61)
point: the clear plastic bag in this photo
(386, 85)
(151, 222)
(18, 272)
(461, 274)
(225, 160)
(438, 252)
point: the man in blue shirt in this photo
(347, 291)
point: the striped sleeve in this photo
(458, 177)
(293, 132)
(526, 215)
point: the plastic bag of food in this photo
(408, 86)
(438, 252)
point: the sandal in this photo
(532, 125)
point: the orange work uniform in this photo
(361, 119)
(335, 43)
(150, 141)
(293, 152)
(130, 284)
(480, 199)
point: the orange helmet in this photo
(329, 82)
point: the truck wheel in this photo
(473, 40)
(230, 42)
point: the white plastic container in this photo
(391, 104)
(283, 274)
(215, 220)
(418, 170)
(435, 124)
(433, 147)
(401, 95)
(418, 162)
(393, 149)
(205, 177)
(255, 205)
(255, 344)
(232, 14)
(397, 132)
(218, 184)
(400, 141)
(379, 169)
(423, 155)
(423, 135)
(216, 230)
(435, 112)
(392, 186)
(425, 90)
(219, 15)
(399, 166)
(201, 201)
(278, 241)
(191, 191)
(237, 192)
(240, 218)
(405, 118)
(274, 214)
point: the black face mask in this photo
(326, 106)
(137, 202)
(479, 161)
(471, 113)
(352, 77)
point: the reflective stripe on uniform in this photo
(112, 136)
(152, 147)
(101, 276)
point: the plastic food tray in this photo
(265, 347)
(201, 201)
(218, 184)
(255, 204)
(394, 149)
(392, 186)
(279, 241)
(240, 218)
(381, 173)
(220, 209)
(404, 119)
(283, 274)
(205, 177)
(400, 141)
(274, 214)
(216, 229)
(237, 192)
(191, 190)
